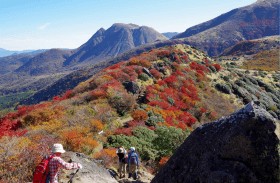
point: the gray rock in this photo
(91, 172)
(161, 64)
(146, 71)
(240, 148)
(172, 56)
(131, 87)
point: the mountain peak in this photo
(115, 40)
(101, 30)
(123, 25)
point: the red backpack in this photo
(42, 170)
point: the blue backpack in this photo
(133, 160)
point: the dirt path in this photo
(124, 120)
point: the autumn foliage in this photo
(168, 99)
(139, 115)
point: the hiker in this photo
(56, 163)
(132, 163)
(121, 152)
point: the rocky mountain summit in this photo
(238, 148)
(105, 44)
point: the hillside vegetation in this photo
(252, 77)
(257, 54)
(151, 101)
(252, 46)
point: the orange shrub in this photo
(108, 156)
(139, 115)
(99, 94)
(88, 145)
(145, 63)
(73, 140)
(134, 61)
(163, 161)
(97, 125)
(44, 114)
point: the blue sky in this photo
(44, 24)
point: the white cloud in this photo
(43, 42)
(27, 43)
(44, 26)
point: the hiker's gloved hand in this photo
(80, 166)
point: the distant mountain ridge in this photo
(250, 22)
(5, 53)
(170, 34)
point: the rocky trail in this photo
(94, 172)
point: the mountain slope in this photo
(252, 46)
(72, 79)
(11, 63)
(250, 22)
(45, 63)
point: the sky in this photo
(45, 24)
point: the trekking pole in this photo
(73, 176)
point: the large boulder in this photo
(241, 148)
(92, 171)
(131, 86)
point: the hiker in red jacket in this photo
(56, 163)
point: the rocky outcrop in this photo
(131, 86)
(143, 177)
(239, 148)
(146, 71)
(91, 172)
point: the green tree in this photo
(169, 139)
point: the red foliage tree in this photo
(155, 73)
(163, 54)
(139, 115)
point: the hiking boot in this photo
(129, 175)
(135, 176)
